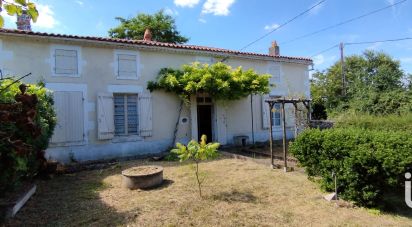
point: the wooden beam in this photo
(296, 119)
(271, 133)
(284, 138)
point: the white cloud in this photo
(271, 27)
(171, 12)
(217, 7)
(201, 20)
(186, 3)
(46, 17)
(318, 59)
(80, 2)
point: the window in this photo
(125, 114)
(276, 115)
(126, 65)
(66, 62)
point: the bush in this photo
(367, 162)
(25, 129)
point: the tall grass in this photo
(373, 122)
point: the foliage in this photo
(17, 7)
(367, 162)
(219, 80)
(375, 85)
(27, 123)
(161, 25)
(197, 152)
(392, 122)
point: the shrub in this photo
(25, 129)
(367, 162)
(391, 122)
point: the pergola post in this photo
(271, 132)
(296, 119)
(285, 168)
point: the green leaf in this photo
(34, 14)
(1, 22)
(21, 2)
(11, 9)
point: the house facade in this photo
(104, 110)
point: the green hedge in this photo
(367, 162)
(14, 165)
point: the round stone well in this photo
(142, 177)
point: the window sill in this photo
(127, 78)
(66, 75)
(122, 139)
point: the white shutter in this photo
(66, 61)
(70, 117)
(145, 114)
(290, 115)
(127, 65)
(265, 112)
(105, 116)
(274, 70)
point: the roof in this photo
(148, 43)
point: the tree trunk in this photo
(177, 123)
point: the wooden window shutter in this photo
(66, 61)
(70, 117)
(265, 112)
(145, 114)
(105, 116)
(127, 65)
(274, 70)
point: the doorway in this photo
(204, 121)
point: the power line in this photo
(344, 22)
(277, 28)
(360, 43)
(323, 51)
(379, 41)
(282, 25)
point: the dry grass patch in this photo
(236, 193)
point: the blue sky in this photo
(234, 23)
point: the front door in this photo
(204, 121)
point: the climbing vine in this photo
(218, 80)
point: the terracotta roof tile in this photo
(147, 43)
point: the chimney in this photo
(147, 35)
(23, 21)
(274, 49)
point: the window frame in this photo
(54, 48)
(125, 112)
(117, 53)
(274, 115)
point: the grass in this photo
(365, 121)
(236, 193)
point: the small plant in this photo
(197, 152)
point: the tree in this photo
(162, 27)
(17, 7)
(197, 152)
(371, 81)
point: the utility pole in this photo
(342, 65)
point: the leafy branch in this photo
(17, 7)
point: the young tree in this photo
(161, 25)
(197, 152)
(16, 7)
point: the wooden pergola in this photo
(282, 100)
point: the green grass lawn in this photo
(236, 193)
